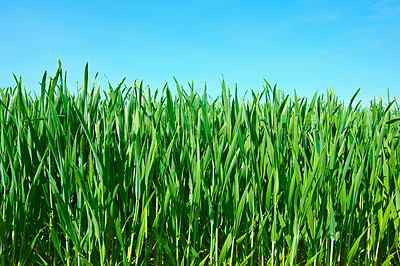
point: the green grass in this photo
(135, 178)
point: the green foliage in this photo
(162, 180)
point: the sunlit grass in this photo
(141, 178)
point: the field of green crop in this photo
(134, 177)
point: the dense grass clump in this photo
(135, 178)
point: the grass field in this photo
(151, 179)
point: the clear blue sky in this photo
(303, 45)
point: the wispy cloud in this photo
(385, 9)
(324, 16)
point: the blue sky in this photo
(305, 45)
